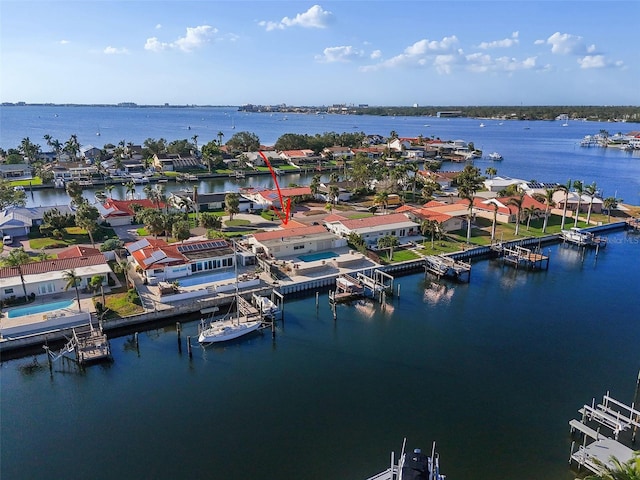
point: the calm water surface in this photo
(492, 370)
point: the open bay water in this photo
(491, 370)
(541, 150)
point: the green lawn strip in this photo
(26, 183)
(237, 222)
(71, 236)
(355, 216)
(120, 305)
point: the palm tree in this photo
(591, 190)
(195, 142)
(566, 188)
(123, 266)
(429, 227)
(130, 190)
(517, 202)
(530, 211)
(548, 201)
(617, 470)
(578, 186)
(220, 134)
(314, 185)
(491, 171)
(16, 258)
(610, 203)
(388, 241)
(413, 168)
(381, 198)
(469, 198)
(495, 220)
(334, 194)
(72, 281)
(109, 188)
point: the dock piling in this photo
(189, 346)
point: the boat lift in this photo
(89, 343)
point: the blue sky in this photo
(550, 52)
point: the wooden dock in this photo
(443, 266)
(595, 447)
(88, 343)
(633, 224)
(520, 257)
(347, 288)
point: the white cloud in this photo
(539, 42)
(592, 61)
(339, 54)
(158, 26)
(482, 62)
(376, 54)
(64, 42)
(195, 37)
(418, 54)
(315, 17)
(504, 43)
(444, 63)
(567, 44)
(115, 51)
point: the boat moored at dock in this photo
(413, 466)
(582, 238)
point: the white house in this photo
(47, 277)
(295, 241)
(373, 228)
(18, 221)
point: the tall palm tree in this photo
(220, 134)
(17, 258)
(109, 188)
(382, 198)
(517, 202)
(617, 470)
(130, 189)
(578, 187)
(413, 168)
(548, 201)
(123, 266)
(610, 203)
(469, 199)
(72, 280)
(495, 220)
(491, 171)
(530, 211)
(592, 191)
(195, 142)
(429, 227)
(566, 188)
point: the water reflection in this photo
(435, 293)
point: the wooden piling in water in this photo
(189, 346)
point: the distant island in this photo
(595, 113)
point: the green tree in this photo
(566, 188)
(491, 171)
(180, 231)
(530, 211)
(578, 187)
(244, 142)
(592, 191)
(495, 207)
(390, 242)
(232, 204)
(72, 147)
(314, 185)
(429, 227)
(381, 198)
(72, 280)
(17, 258)
(29, 150)
(609, 204)
(87, 217)
(10, 197)
(74, 190)
(617, 470)
(517, 202)
(549, 203)
(210, 221)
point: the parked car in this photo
(7, 240)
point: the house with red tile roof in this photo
(79, 251)
(121, 212)
(160, 261)
(506, 213)
(288, 242)
(47, 277)
(430, 211)
(298, 157)
(375, 227)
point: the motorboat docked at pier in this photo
(265, 306)
(413, 466)
(582, 238)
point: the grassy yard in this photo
(237, 222)
(71, 236)
(120, 304)
(26, 183)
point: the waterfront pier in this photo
(518, 257)
(443, 266)
(89, 344)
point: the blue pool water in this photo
(33, 309)
(206, 278)
(312, 257)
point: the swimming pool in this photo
(33, 309)
(312, 257)
(206, 278)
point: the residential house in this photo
(429, 211)
(299, 157)
(172, 162)
(374, 153)
(121, 212)
(373, 228)
(295, 241)
(344, 191)
(90, 153)
(446, 180)
(15, 171)
(18, 221)
(254, 159)
(572, 202)
(160, 261)
(47, 277)
(497, 184)
(266, 199)
(399, 144)
(506, 213)
(337, 153)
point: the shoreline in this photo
(22, 346)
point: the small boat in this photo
(481, 125)
(266, 307)
(495, 156)
(19, 188)
(582, 238)
(413, 466)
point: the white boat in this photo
(231, 328)
(265, 306)
(413, 466)
(582, 238)
(495, 156)
(481, 125)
